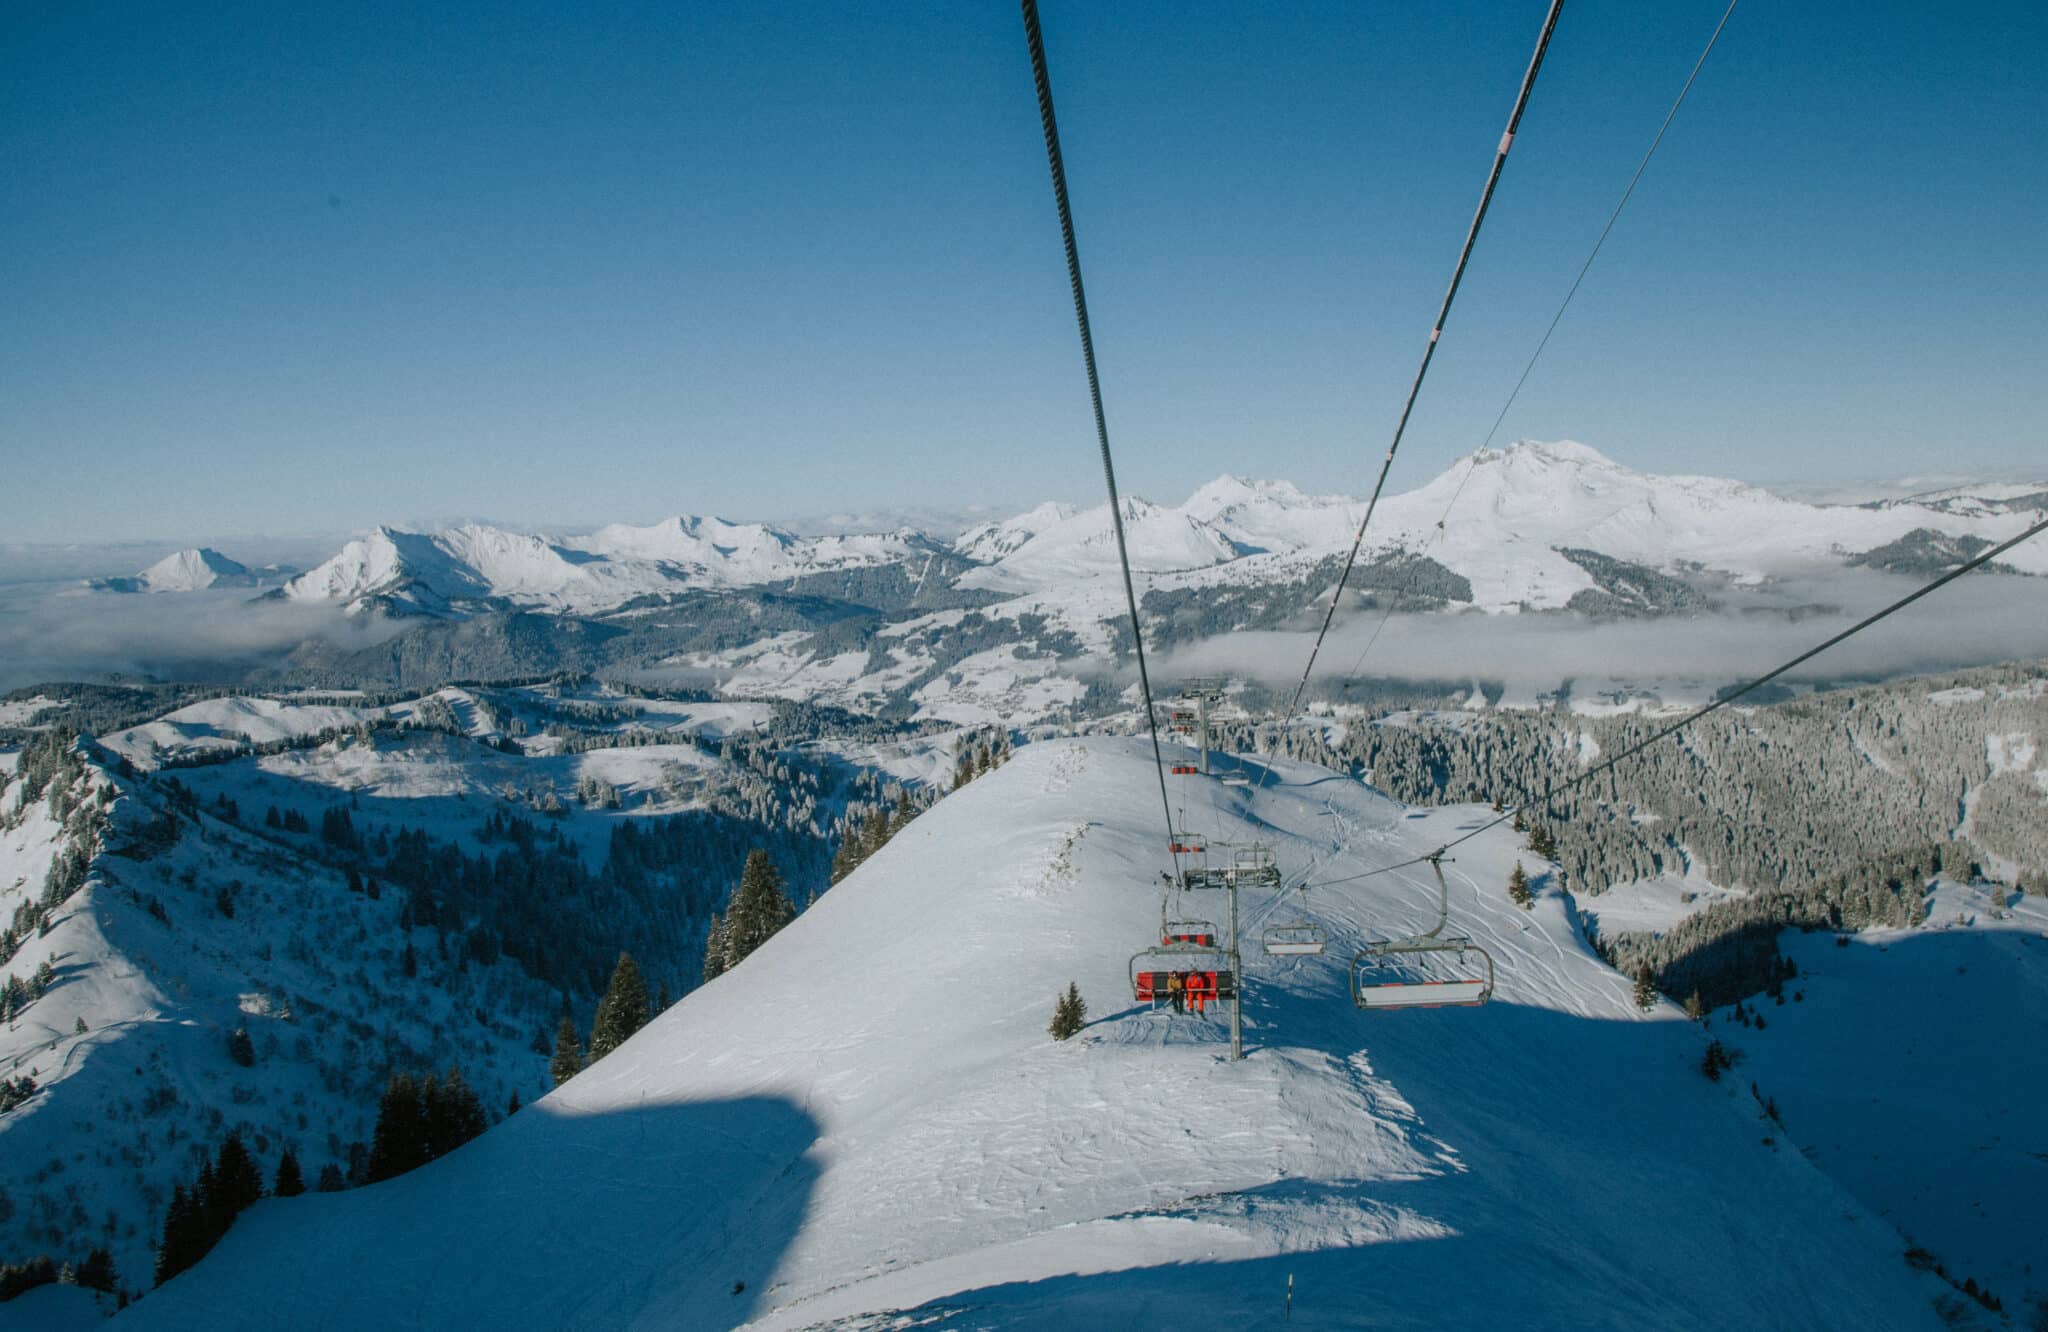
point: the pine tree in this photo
(1715, 1060)
(1519, 825)
(512, 1106)
(240, 1048)
(331, 1179)
(759, 908)
(236, 1181)
(1069, 1013)
(289, 1182)
(1543, 842)
(399, 1142)
(453, 1114)
(847, 858)
(1695, 1008)
(714, 950)
(568, 1060)
(182, 1225)
(1518, 887)
(621, 1012)
(97, 1272)
(1646, 987)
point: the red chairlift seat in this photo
(1184, 770)
(1154, 968)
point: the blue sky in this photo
(273, 267)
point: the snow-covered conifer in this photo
(1646, 987)
(622, 1011)
(1518, 887)
(1069, 1013)
(714, 949)
(759, 908)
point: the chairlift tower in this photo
(1203, 691)
(1251, 865)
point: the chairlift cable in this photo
(1056, 163)
(1437, 533)
(1500, 157)
(1612, 218)
(1549, 793)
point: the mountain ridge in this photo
(1516, 506)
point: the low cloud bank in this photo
(68, 634)
(1977, 620)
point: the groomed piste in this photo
(868, 1117)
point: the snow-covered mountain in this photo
(183, 571)
(990, 542)
(1517, 509)
(1012, 619)
(149, 912)
(1083, 545)
(473, 566)
(866, 1126)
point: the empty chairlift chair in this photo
(1429, 970)
(1295, 938)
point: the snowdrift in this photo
(869, 1116)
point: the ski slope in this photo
(1910, 1067)
(868, 1116)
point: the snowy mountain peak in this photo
(1229, 492)
(1083, 545)
(185, 571)
(990, 542)
(189, 569)
(688, 540)
(1536, 453)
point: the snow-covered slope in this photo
(990, 542)
(466, 567)
(1275, 515)
(183, 571)
(1907, 1064)
(1515, 509)
(1084, 546)
(867, 1115)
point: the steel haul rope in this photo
(1543, 342)
(1500, 158)
(1059, 190)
